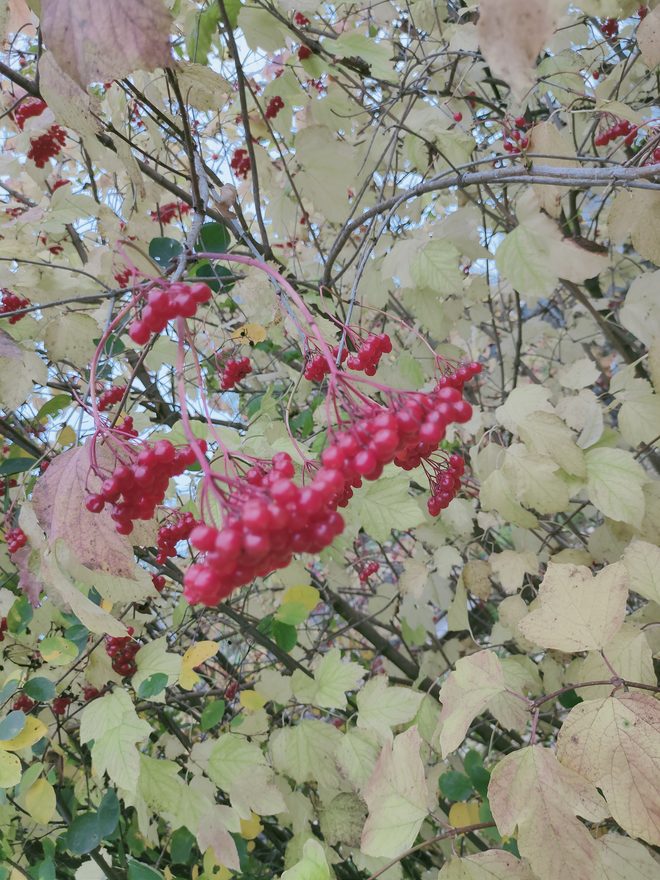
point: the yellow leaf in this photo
(33, 731)
(40, 801)
(249, 333)
(106, 605)
(302, 595)
(252, 700)
(67, 436)
(195, 656)
(251, 828)
(10, 770)
(461, 815)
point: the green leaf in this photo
(108, 813)
(16, 466)
(218, 278)
(8, 690)
(163, 250)
(138, 871)
(12, 724)
(152, 685)
(54, 405)
(436, 267)
(614, 484)
(292, 613)
(58, 651)
(181, 846)
(40, 689)
(455, 786)
(84, 834)
(384, 505)
(213, 237)
(212, 714)
(569, 699)
(285, 635)
(200, 37)
(479, 776)
(77, 634)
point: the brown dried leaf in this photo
(511, 36)
(59, 503)
(97, 40)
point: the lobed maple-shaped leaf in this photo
(615, 743)
(59, 503)
(332, 679)
(396, 796)
(466, 693)
(575, 610)
(381, 707)
(494, 864)
(536, 798)
(97, 41)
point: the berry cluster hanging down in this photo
(111, 396)
(122, 651)
(171, 533)
(16, 539)
(369, 353)
(135, 488)
(10, 302)
(235, 370)
(164, 303)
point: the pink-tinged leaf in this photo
(213, 833)
(97, 40)
(59, 503)
(28, 582)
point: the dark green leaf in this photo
(40, 689)
(455, 786)
(16, 466)
(265, 625)
(213, 237)
(54, 405)
(198, 41)
(212, 714)
(84, 834)
(181, 846)
(232, 8)
(152, 685)
(569, 699)
(485, 815)
(512, 846)
(44, 870)
(12, 725)
(8, 690)
(164, 250)
(217, 277)
(138, 871)
(77, 634)
(285, 636)
(479, 776)
(108, 813)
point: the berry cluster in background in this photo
(10, 302)
(122, 650)
(234, 371)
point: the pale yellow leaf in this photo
(648, 38)
(642, 562)
(99, 41)
(510, 568)
(537, 799)
(511, 36)
(641, 310)
(626, 859)
(575, 610)
(40, 801)
(249, 334)
(546, 434)
(579, 374)
(635, 216)
(304, 595)
(10, 770)
(498, 494)
(252, 700)
(466, 693)
(194, 656)
(33, 731)
(494, 864)
(333, 678)
(381, 707)
(462, 814)
(396, 796)
(615, 743)
(614, 484)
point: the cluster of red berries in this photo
(300, 19)
(126, 428)
(621, 128)
(271, 518)
(445, 483)
(60, 705)
(90, 693)
(515, 138)
(111, 396)
(23, 703)
(317, 366)
(141, 483)
(369, 353)
(47, 145)
(10, 302)
(304, 52)
(166, 213)
(240, 163)
(122, 651)
(169, 536)
(274, 106)
(3, 628)
(178, 300)
(234, 371)
(16, 539)
(367, 570)
(458, 377)
(159, 582)
(27, 109)
(609, 27)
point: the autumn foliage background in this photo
(459, 696)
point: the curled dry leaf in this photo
(97, 41)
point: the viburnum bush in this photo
(329, 371)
